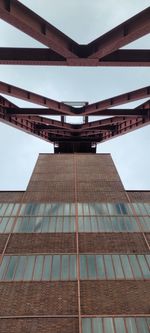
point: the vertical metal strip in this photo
(77, 242)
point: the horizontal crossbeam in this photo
(49, 112)
(36, 56)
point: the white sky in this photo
(83, 21)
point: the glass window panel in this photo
(108, 325)
(135, 266)
(3, 224)
(72, 207)
(126, 266)
(112, 209)
(15, 209)
(80, 211)
(119, 325)
(92, 209)
(3, 266)
(85, 209)
(17, 227)
(109, 267)
(52, 225)
(65, 267)
(100, 267)
(29, 268)
(118, 267)
(24, 224)
(137, 208)
(97, 325)
(61, 210)
(55, 268)
(3, 208)
(31, 224)
(131, 224)
(94, 225)
(147, 207)
(142, 209)
(131, 325)
(73, 265)
(38, 268)
(67, 224)
(104, 224)
(101, 209)
(144, 266)
(47, 209)
(72, 224)
(38, 224)
(54, 209)
(83, 267)
(41, 208)
(87, 223)
(9, 209)
(59, 224)
(67, 209)
(91, 262)
(86, 325)
(26, 209)
(47, 268)
(34, 209)
(80, 224)
(9, 224)
(115, 224)
(22, 260)
(45, 224)
(11, 268)
(126, 209)
(148, 259)
(145, 223)
(122, 224)
(142, 325)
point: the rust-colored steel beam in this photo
(41, 56)
(126, 58)
(21, 17)
(132, 96)
(49, 112)
(125, 33)
(34, 98)
(23, 125)
(126, 127)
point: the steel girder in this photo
(32, 120)
(64, 51)
(46, 57)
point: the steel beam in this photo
(125, 33)
(132, 96)
(41, 111)
(41, 56)
(21, 17)
(34, 98)
(126, 127)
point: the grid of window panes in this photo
(60, 217)
(63, 267)
(116, 325)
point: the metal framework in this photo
(62, 50)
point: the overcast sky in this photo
(83, 21)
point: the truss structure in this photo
(62, 50)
